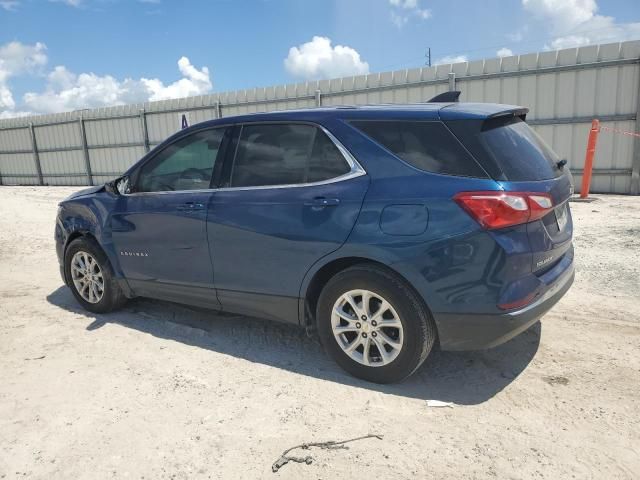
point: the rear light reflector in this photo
(518, 303)
(495, 209)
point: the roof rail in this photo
(446, 97)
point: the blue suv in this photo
(389, 228)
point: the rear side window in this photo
(326, 161)
(508, 149)
(285, 154)
(429, 146)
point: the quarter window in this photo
(285, 154)
(429, 146)
(184, 165)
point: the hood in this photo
(85, 191)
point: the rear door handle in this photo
(322, 202)
(191, 207)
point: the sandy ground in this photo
(162, 391)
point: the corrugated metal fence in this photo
(564, 90)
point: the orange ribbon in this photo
(622, 132)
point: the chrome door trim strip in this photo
(356, 170)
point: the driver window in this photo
(184, 165)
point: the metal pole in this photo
(318, 98)
(145, 132)
(218, 110)
(588, 159)
(36, 157)
(87, 160)
(452, 81)
(635, 164)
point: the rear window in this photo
(429, 146)
(508, 149)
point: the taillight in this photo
(504, 209)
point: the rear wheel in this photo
(374, 325)
(90, 277)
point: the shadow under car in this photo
(465, 378)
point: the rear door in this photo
(291, 195)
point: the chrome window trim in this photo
(356, 170)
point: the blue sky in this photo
(68, 54)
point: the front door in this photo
(159, 229)
(291, 196)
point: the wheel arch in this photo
(324, 273)
(83, 233)
(77, 234)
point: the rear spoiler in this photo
(514, 112)
(454, 97)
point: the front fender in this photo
(90, 215)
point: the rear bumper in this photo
(476, 332)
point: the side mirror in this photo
(122, 185)
(119, 186)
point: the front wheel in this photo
(90, 277)
(374, 325)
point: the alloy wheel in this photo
(367, 328)
(87, 277)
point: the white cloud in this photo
(575, 23)
(403, 10)
(14, 114)
(71, 3)
(399, 20)
(563, 14)
(504, 52)
(518, 35)
(318, 59)
(6, 98)
(18, 59)
(404, 3)
(67, 91)
(194, 82)
(9, 5)
(452, 59)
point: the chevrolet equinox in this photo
(388, 228)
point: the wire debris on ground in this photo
(330, 445)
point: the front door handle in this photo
(191, 207)
(322, 202)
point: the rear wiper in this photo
(561, 163)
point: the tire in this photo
(108, 295)
(413, 334)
